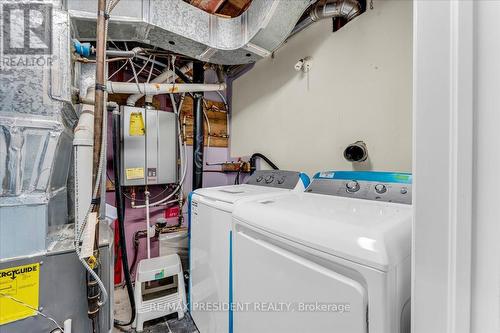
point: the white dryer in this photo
(335, 258)
(210, 219)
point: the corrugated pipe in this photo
(163, 77)
(160, 88)
(126, 54)
(347, 9)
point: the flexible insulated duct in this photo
(347, 9)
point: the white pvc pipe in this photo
(161, 88)
(163, 77)
(148, 225)
(83, 146)
(67, 326)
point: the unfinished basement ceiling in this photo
(228, 8)
(179, 27)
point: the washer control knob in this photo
(352, 186)
(281, 180)
(269, 179)
(380, 188)
(404, 190)
(259, 179)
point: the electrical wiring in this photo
(141, 69)
(135, 75)
(152, 67)
(118, 70)
(34, 309)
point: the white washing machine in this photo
(335, 258)
(210, 228)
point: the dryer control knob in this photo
(352, 186)
(380, 188)
(269, 179)
(259, 179)
(281, 180)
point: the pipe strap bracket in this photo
(101, 87)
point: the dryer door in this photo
(279, 290)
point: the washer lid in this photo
(376, 234)
(233, 193)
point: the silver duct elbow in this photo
(347, 9)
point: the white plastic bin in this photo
(175, 242)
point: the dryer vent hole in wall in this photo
(356, 152)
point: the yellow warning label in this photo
(135, 173)
(19, 288)
(136, 124)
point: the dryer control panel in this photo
(279, 179)
(369, 185)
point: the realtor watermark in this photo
(295, 307)
(26, 34)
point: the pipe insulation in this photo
(161, 88)
(163, 77)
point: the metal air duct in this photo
(36, 133)
(179, 27)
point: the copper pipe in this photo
(100, 83)
(93, 293)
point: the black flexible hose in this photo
(121, 217)
(253, 163)
(135, 241)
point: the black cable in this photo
(253, 164)
(135, 241)
(121, 218)
(95, 325)
(237, 179)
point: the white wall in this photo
(485, 305)
(359, 88)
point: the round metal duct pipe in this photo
(347, 9)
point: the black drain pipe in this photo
(120, 212)
(198, 130)
(253, 162)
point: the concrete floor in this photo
(169, 324)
